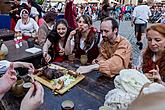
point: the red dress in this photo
(93, 52)
(57, 57)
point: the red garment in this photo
(149, 66)
(12, 25)
(70, 14)
(25, 37)
(57, 57)
(94, 51)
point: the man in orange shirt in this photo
(115, 51)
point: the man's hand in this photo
(87, 69)
(8, 79)
(34, 98)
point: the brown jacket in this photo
(43, 32)
(114, 57)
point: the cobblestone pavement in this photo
(127, 31)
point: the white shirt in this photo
(82, 43)
(141, 13)
(4, 64)
(26, 28)
(34, 12)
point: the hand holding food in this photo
(34, 98)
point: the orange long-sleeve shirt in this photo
(114, 57)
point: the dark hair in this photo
(55, 36)
(114, 23)
(140, 1)
(62, 21)
(87, 19)
(50, 16)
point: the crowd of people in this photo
(107, 51)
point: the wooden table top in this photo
(88, 94)
(19, 54)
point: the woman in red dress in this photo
(53, 49)
(84, 40)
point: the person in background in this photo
(14, 14)
(115, 51)
(33, 12)
(26, 26)
(105, 9)
(39, 10)
(140, 18)
(46, 27)
(70, 14)
(53, 49)
(84, 40)
(34, 97)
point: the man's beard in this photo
(105, 39)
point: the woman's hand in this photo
(155, 73)
(72, 33)
(47, 57)
(61, 52)
(34, 97)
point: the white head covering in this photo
(22, 12)
(24, 1)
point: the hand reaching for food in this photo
(47, 57)
(87, 69)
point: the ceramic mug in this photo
(2, 55)
(17, 88)
(27, 86)
(71, 57)
(83, 59)
(67, 105)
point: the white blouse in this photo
(29, 28)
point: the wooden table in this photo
(19, 54)
(88, 94)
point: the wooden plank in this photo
(77, 80)
(63, 90)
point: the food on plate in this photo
(58, 85)
(73, 73)
(52, 73)
(67, 79)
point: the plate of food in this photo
(58, 78)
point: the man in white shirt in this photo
(140, 17)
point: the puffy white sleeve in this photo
(35, 25)
(17, 27)
(4, 64)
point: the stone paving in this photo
(127, 31)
